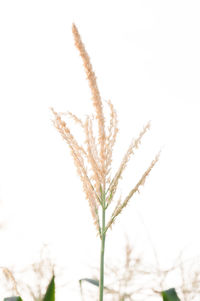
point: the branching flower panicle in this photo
(93, 160)
(99, 160)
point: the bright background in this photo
(146, 58)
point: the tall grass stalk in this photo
(103, 237)
(93, 160)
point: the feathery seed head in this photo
(93, 160)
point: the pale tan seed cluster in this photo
(97, 152)
(10, 277)
(141, 182)
(95, 94)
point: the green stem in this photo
(103, 236)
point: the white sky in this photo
(146, 58)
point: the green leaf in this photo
(92, 281)
(170, 295)
(50, 293)
(13, 299)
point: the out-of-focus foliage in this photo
(170, 295)
(13, 299)
(49, 295)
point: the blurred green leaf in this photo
(13, 299)
(50, 293)
(92, 281)
(170, 295)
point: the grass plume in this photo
(10, 278)
(93, 160)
